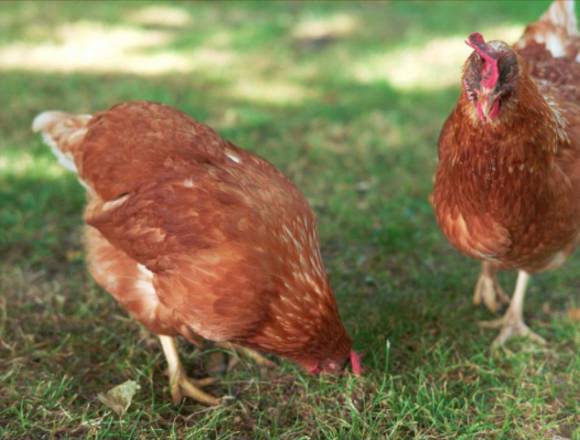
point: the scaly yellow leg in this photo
(512, 323)
(488, 290)
(179, 383)
(249, 353)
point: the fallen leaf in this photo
(73, 255)
(119, 398)
(546, 308)
(574, 314)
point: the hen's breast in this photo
(466, 223)
(514, 223)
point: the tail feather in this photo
(63, 133)
(557, 30)
(561, 13)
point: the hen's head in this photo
(334, 358)
(490, 76)
(325, 346)
(304, 325)
(298, 314)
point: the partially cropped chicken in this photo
(507, 187)
(199, 238)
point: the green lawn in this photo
(347, 99)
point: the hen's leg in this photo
(512, 323)
(254, 355)
(179, 383)
(488, 289)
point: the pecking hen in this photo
(507, 186)
(199, 238)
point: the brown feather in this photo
(508, 192)
(196, 236)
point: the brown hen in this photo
(199, 238)
(507, 187)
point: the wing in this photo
(136, 142)
(551, 49)
(205, 245)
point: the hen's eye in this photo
(471, 94)
(470, 91)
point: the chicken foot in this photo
(249, 353)
(512, 323)
(179, 383)
(488, 290)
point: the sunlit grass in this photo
(25, 164)
(431, 66)
(93, 47)
(141, 46)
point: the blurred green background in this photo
(347, 98)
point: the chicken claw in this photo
(510, 327)
(489, 291)
(181, 386)
(179, 383)
(512, 323)
(249, 353)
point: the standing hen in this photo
(507, 187)
(199, 238)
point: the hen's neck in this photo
(529, 127)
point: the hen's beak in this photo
(355, 363)
(488, 106)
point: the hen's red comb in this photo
(490, 71)
(355, 363)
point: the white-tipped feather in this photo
(557, 29)
(45, 120)
(64, 159)
(553, 43)
(562, 13)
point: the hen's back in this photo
(163, 185)
(117, 151)
(551, 47)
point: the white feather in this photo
(64, 159)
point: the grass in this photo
(281, 80)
